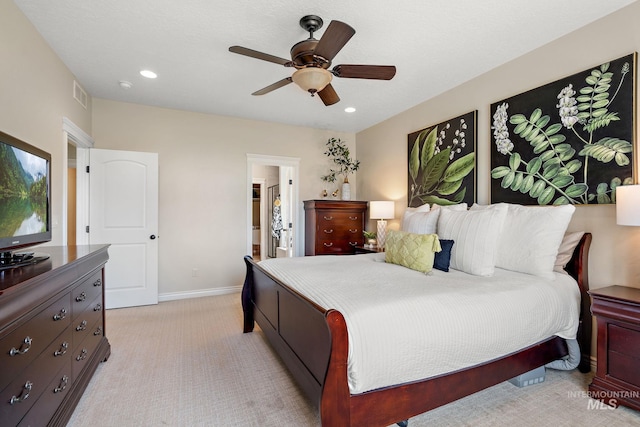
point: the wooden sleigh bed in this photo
(313, 343)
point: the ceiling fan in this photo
(312, 58)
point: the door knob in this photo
(152, 237)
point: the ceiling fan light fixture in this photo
(312, 79)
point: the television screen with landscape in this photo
(24, 194)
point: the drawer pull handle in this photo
(353, 218)
(328, 244)
(353, 243)
(98, 307)
(83, 355)
(24, 395)
(26, 345)
(63, 384)
(98, 331)
(329, 231)
(81, 297)
(82, 326)
(328, 218)
(353, 231)
(63, 349)
(61, 315)
(97, 282)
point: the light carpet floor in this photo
(187, 363)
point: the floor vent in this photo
(79, 94)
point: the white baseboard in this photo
(200, 293)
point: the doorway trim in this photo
(73, 134)
(280, 161)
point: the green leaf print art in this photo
(568, 142)
(442, 163)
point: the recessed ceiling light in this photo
(350, 110)
(148, 74)
(124, 84)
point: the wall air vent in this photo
(79, 94)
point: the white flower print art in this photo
(568, 142)
(442, 163)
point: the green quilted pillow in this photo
(414, 251)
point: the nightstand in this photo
(617, 380)
(368, 250)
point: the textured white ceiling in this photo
(435, 45)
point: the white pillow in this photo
(410, 211)
(458, 207)
(565, 251)
(476, 233)
(423, 208)
(420, 222)
(531, 237)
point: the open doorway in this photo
(258, 218)
(274, 232)
(75, 188)
(71, 195)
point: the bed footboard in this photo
(296, 328)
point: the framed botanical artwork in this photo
(567, 142)
(442, 162)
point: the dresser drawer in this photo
(23, 345)
(623, 367)
(85, 350)
(338, 244)
(624, 340)
(83, 294)
(338, 232)
(51, 398)
(624, 354)
(20, 395)
(84, 323)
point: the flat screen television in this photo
(25, 199)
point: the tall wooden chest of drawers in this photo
(333, 227)
(52, 334)
(617, 380)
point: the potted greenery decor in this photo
(338, 152)
(371, 238)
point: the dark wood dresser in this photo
(333, 227)
(52, 334)
(617, 380)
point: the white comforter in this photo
(404, 325)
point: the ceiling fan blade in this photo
(378, 72)
(259, 55)
(334, 38)
(328, 95)
(273, 86)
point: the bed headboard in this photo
(578, 268)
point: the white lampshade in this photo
(628, 205)
(381, 210)
(312, 79)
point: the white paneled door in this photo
(123, 211)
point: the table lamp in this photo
(628, 205)
(381, 210)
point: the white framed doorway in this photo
(289, 175)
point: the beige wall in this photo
(382, 149)
(36, 92)
(203, 182)
(203, 166)
(203, 163)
